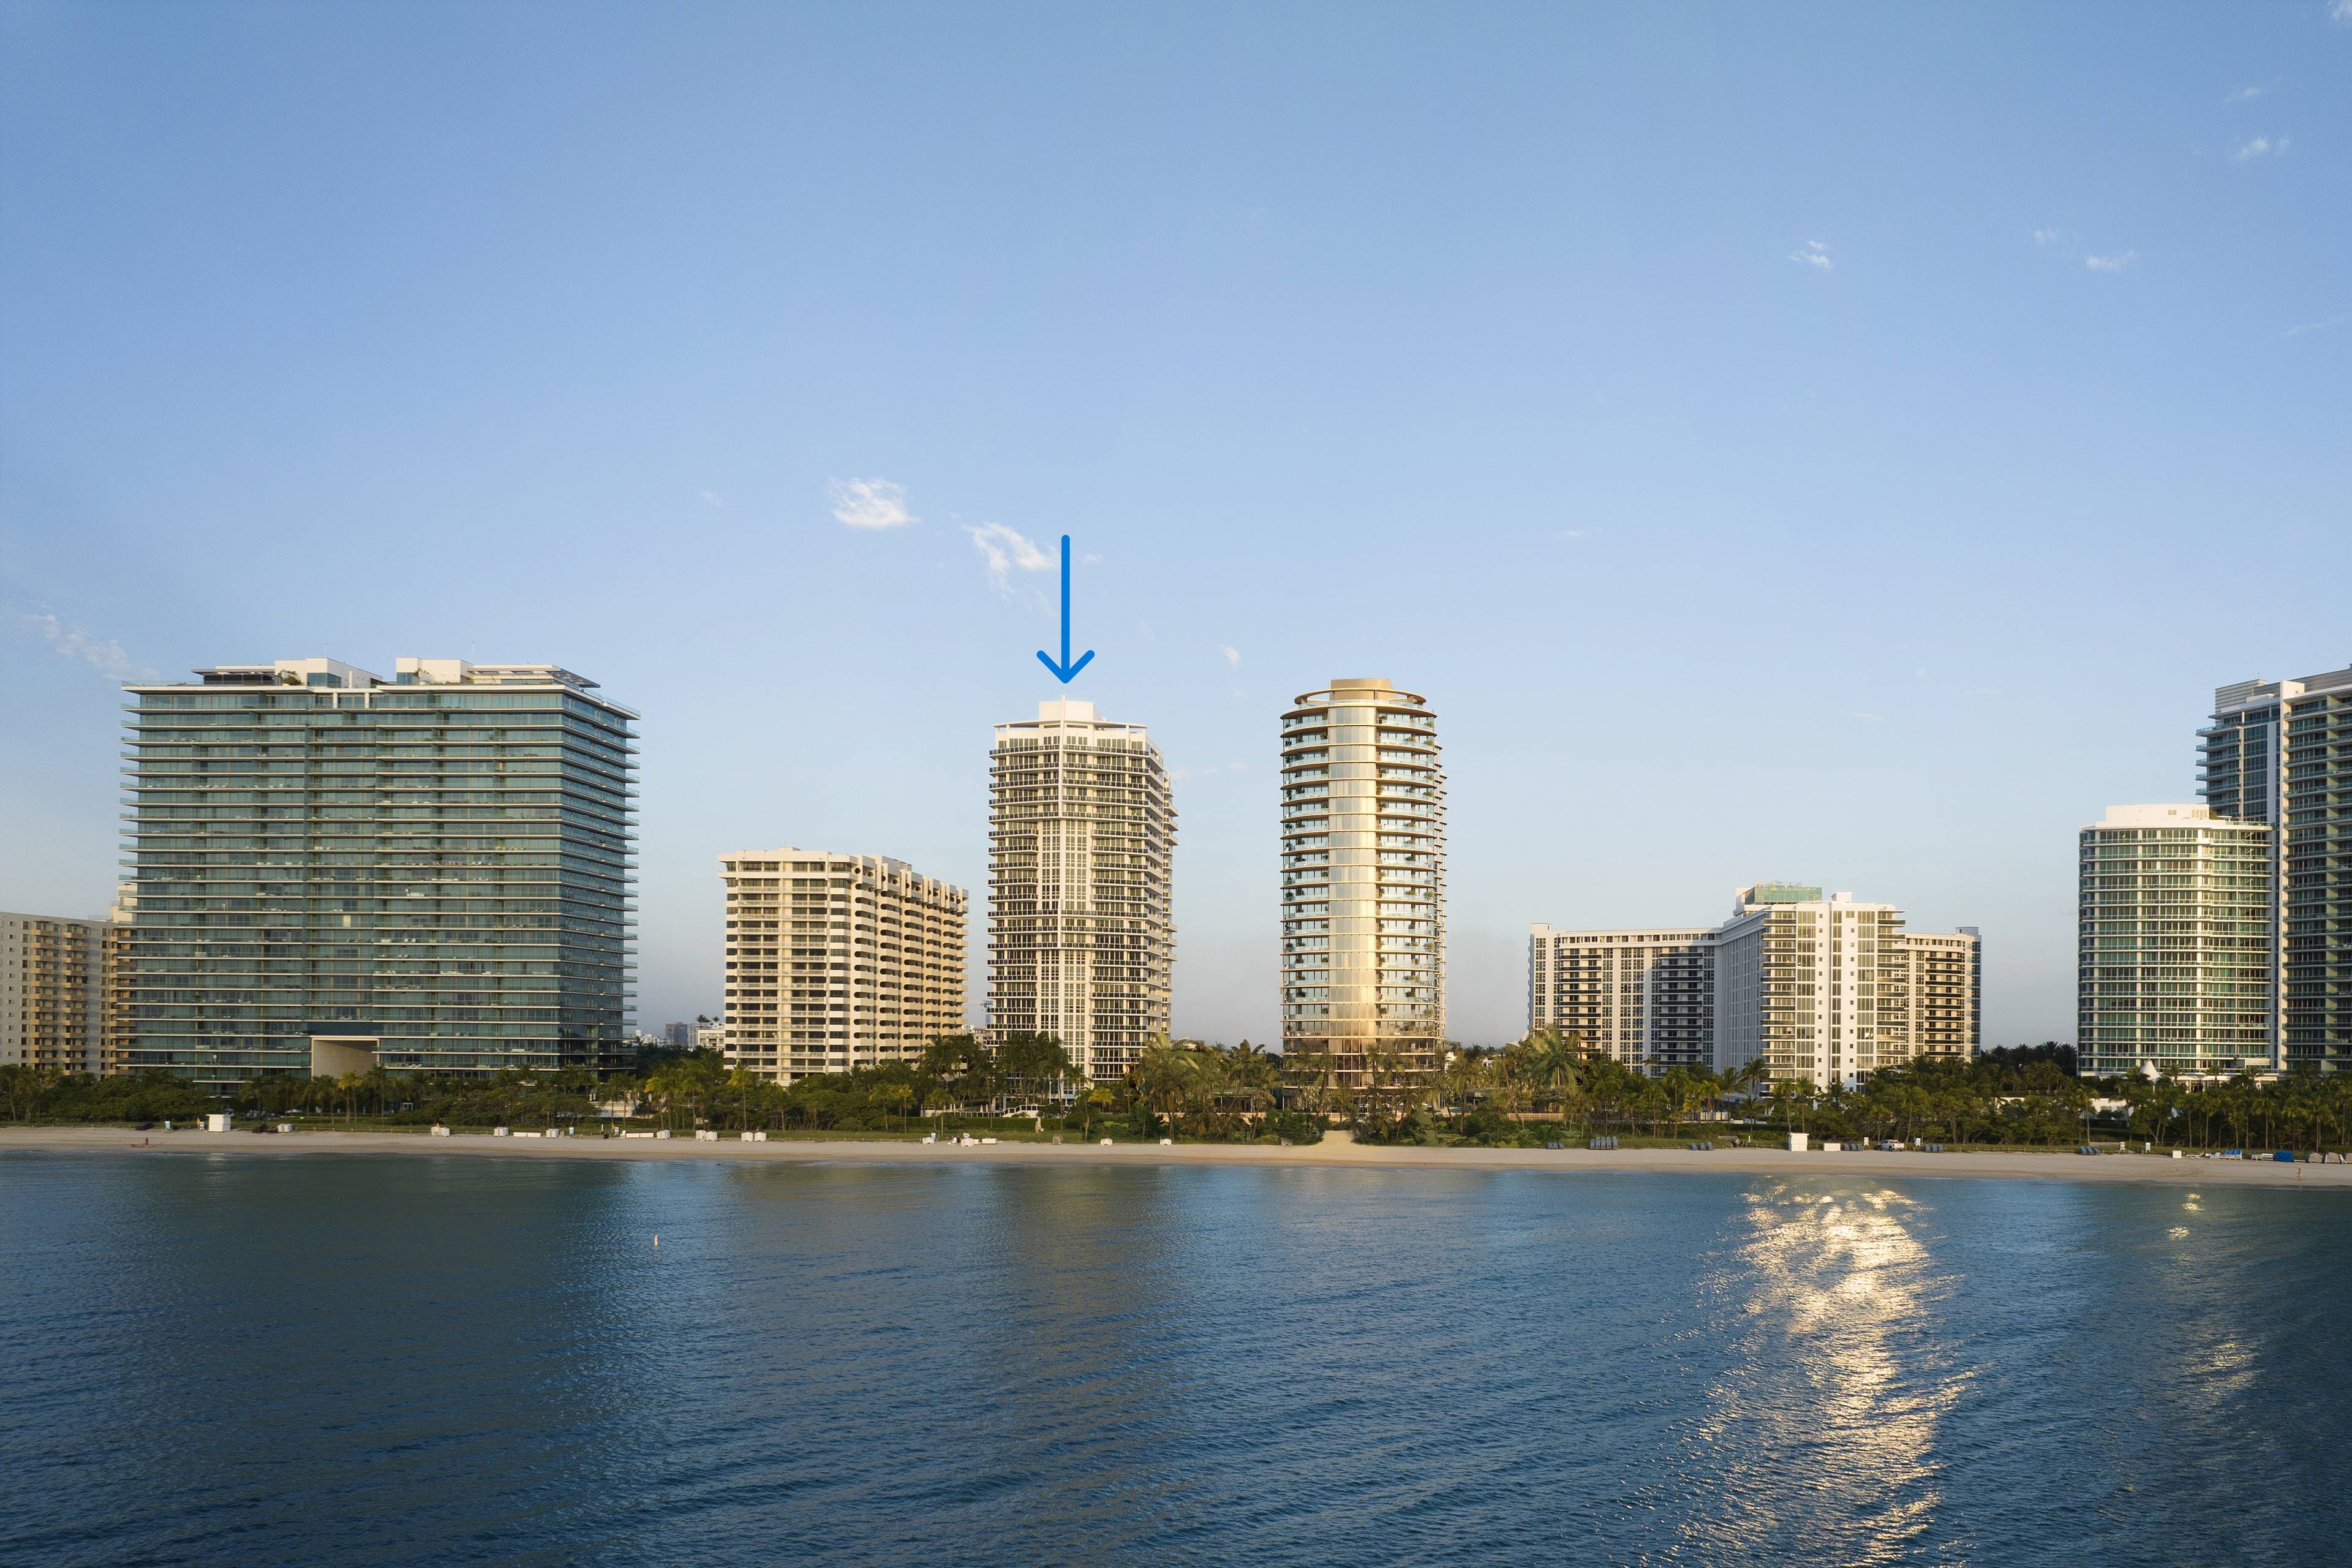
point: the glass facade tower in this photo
(431, 873)
(2280, 753)
(1363, 886)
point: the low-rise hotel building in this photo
(836, 961)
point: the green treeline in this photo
(1544, 1088)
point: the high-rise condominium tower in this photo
(336, 871)
(836, 961)
(1080, 935)
(2175, 967)
(1363, 885)
(52, 993)
(2280, 753)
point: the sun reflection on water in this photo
(1844, 1381)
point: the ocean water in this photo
(348, 1360)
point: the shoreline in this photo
(1331, 1154)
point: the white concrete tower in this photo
(1082, 832)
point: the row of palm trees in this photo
(1187, 1088)
(1547, 1074)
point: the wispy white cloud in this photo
(106, 657)
(2115, 262)
(2048, 235)
(1238, 767)
(1232, 654)
(2324, 324)
(2341, 11)
(713, 498)
(1868, 718)
(1579, 533)
(1005, 550)
(1814, 254)
(871, 503)
(1090, 560)
(2244, 95)
(2263, 147)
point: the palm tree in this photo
(1254, 1077)
(1555, 1067)
(1792, 1094)
(1679, 1087)
(1466, 1072)
(1743, 1079)
(1166, 1076)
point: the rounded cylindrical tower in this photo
(1363, 887)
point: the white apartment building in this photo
(1808, 984)
(836, 961)
(2175, 967)
(1645, 998)
(1082, 837)
(52, 993)
(1824, 990)
(1363, 884)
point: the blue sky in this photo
(1844, 443)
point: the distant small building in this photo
(679, 1036)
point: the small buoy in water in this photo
(657, 1243)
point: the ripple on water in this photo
(347, 1360)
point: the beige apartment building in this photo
(836, 961)
(1946, 1017)
(52, 993)
(1823, 990)
(1363, 885)
(1081, 928)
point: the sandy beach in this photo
(2063, 1167)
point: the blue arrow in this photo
(1066, 671)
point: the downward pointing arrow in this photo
(1065, 671)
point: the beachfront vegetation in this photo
(1545, 1089)
(1547, 1086)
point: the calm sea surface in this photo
(347, 1359)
